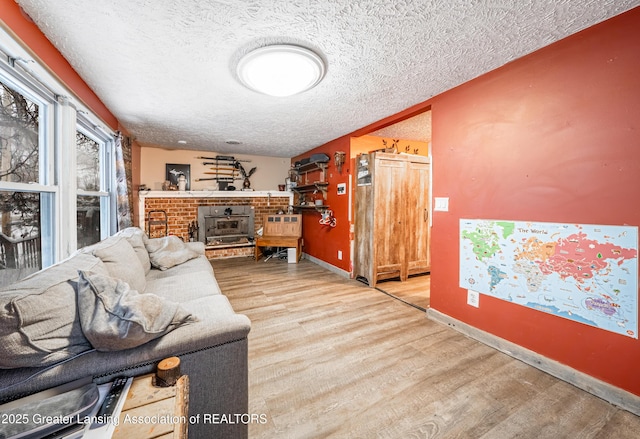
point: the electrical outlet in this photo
(339, 255)
(473, 298)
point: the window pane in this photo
(18, 137)
(88, 220)
(88, 162)
(20, 253)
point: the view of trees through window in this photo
(19, 163)
(88, 176)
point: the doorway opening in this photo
(409, 136)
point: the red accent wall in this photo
(320, 241)
(555, 137)
(551, 137)
(25, 29)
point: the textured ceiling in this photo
(415, 128)
(166, 68)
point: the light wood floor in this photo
(330, 357)
(414, 291)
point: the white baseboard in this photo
(328, 266)
(616, 396)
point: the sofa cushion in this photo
(183, 287)
(115, 317)
(40, 324)
(90, 249)
(197, 247)
(200, 263)
(121, 262)
(137, 238)
(169, 251)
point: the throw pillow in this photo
(39, 323)
(114, 317)
(122, 262)
(169, 251)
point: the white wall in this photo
(270, 172)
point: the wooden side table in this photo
(146, 403)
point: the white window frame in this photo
(107, 174)
(61, 114)
(46, 185)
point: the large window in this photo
(88, 183)
(19, 147)
(94, 200)
(22, 203)
(54, 186)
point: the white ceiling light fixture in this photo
(281, 70)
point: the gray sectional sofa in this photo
(54, 328)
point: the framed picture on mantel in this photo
(174, 171)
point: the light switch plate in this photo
(441, 204)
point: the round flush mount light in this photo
(281, 70)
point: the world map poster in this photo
(586, 273)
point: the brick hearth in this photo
(182, 210)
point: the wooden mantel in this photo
(214, 194)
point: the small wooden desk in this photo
(145, 401)
(279, 241)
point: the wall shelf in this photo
(317, 207)
(305, 186)
(311, 167)
(313, 187)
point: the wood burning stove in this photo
(225, 225)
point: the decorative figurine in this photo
(339, 158)
(246, 184)
(182, 182)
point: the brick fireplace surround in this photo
(182, 210)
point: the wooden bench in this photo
(281, 231)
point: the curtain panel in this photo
(123, 181)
